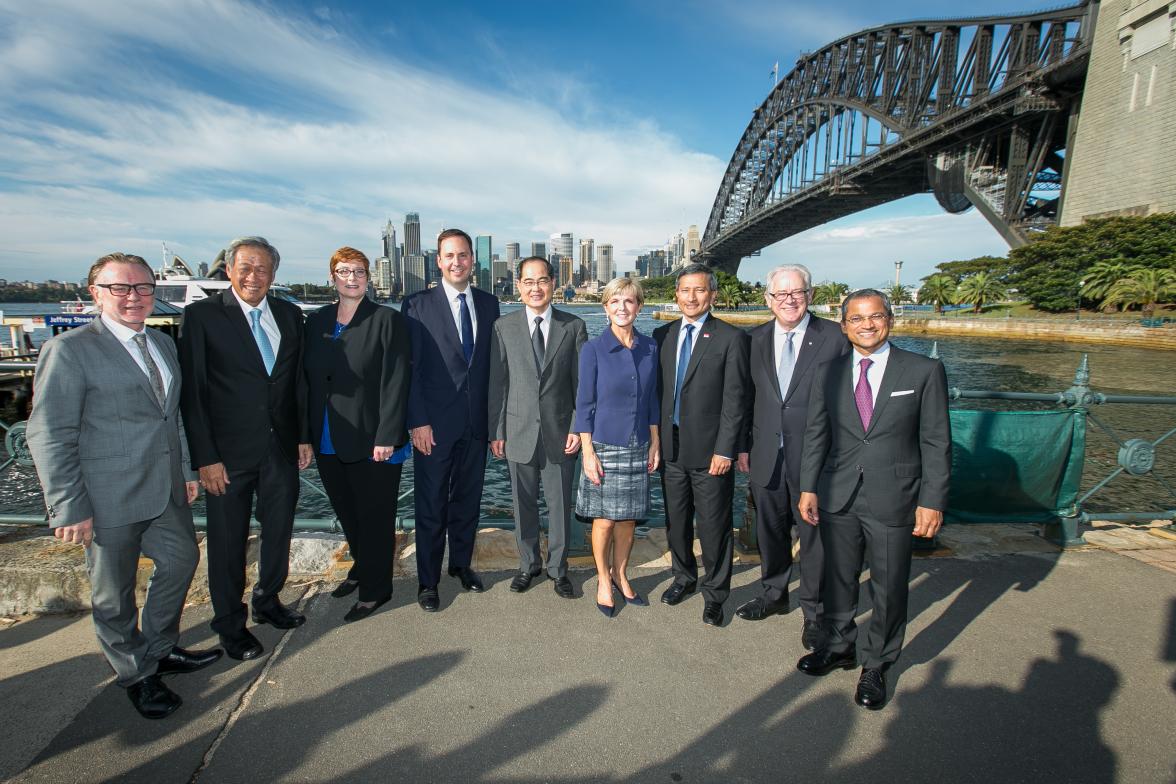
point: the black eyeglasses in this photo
(123, 289)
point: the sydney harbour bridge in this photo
(978, 111)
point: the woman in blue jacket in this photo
(616, 417)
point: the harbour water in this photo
(1001, 365)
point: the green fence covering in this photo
(1015, 466)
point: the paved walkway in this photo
(1031, 665)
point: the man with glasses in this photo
(106, 438)
(875, 469)
(245, 412)
(785, 354)
(534, 371)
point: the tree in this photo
(980, 289)
(1099, 279)
(829, 292)
(899, 294)
(731, 295)
(938, 290)
(958, 270)
(1143, 287)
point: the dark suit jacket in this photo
(230, 404)
(773, 415)
(361, 379)
(527, 407)
(903, 460)
(447, 393)
(715, 392)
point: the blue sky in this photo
(128, 124)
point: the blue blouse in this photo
(617, 396)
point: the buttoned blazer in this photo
(903, 459)
(361, 380)
(715, 392)
(231, 405)
(103, 446)
(529, 405)
(447, 392)
(617, 394)
(775, 416)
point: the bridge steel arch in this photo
(978, 111)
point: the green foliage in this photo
(1047, 271)
(938, 290)
(1143, 287)
(899, 294)
(829, 292)
(958, 270)
(980, 289)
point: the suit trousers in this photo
(363, 495)
(693, 491)
(775, 517)
(847, 535)
(113, 560)
(557, 491)
(275, 484)
(448, 503)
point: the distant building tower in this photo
(587, 261)
(412, 234)
(483, 258)
(605, 266)
(202, 269)
(539, 249)
(512, 263)
(500, 273)
(693, 243)
(414, 273)
(388, 235)
(561, 244)
(382, 278)
(565, 272)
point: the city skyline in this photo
(132, 125)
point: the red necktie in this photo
(864, 396)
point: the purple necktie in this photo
(864, 396)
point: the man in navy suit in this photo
(451, 327)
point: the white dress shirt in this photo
(544, 326)
(693, 338)
(780, 337)
(876, 371)
(455, 306)
(269, 324)
(126, 336)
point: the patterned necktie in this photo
(787, 365)
(537, 343)
(683, 360)
(863, 395)
(467, 329)
(152, 368)
(263, 344)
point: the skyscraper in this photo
(565, 272)
(587, 261)
(414, 273)
(693, 243)
(561, 244)
(606, 268)
(412, 234)
(483, 256)
(539, 249)
(389, 239)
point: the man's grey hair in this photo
(784, 269)
(251, 242)
(867, 294)
(697, 269)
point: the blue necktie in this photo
(267, 351)
(467, 329)
(683, 360)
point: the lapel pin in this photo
(706, 334)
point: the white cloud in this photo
(128, 124)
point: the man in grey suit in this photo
(106, 438)
(877, 465)
(534, 370)
(784, 354)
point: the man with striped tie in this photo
(244, 412)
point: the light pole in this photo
(1078, 301)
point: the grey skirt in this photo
(623, 493)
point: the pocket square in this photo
(902, 392)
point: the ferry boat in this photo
(176, 284)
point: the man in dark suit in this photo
(245, 414)
(451, 327)
(108, 443)
(534, 371)
(784, 354)
(877, 465)
(704, 387)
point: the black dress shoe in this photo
(563, 588)
(345, 588)
(428, 599)
(469, 578)
(180, 660)
(676, 593)
(712, 614)
(279, 616)
(359, 611)
(823, 661)
(152, 698)
(522, 581)
(758, 609)
(810, 635)
(871, 689)
(242, 646)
